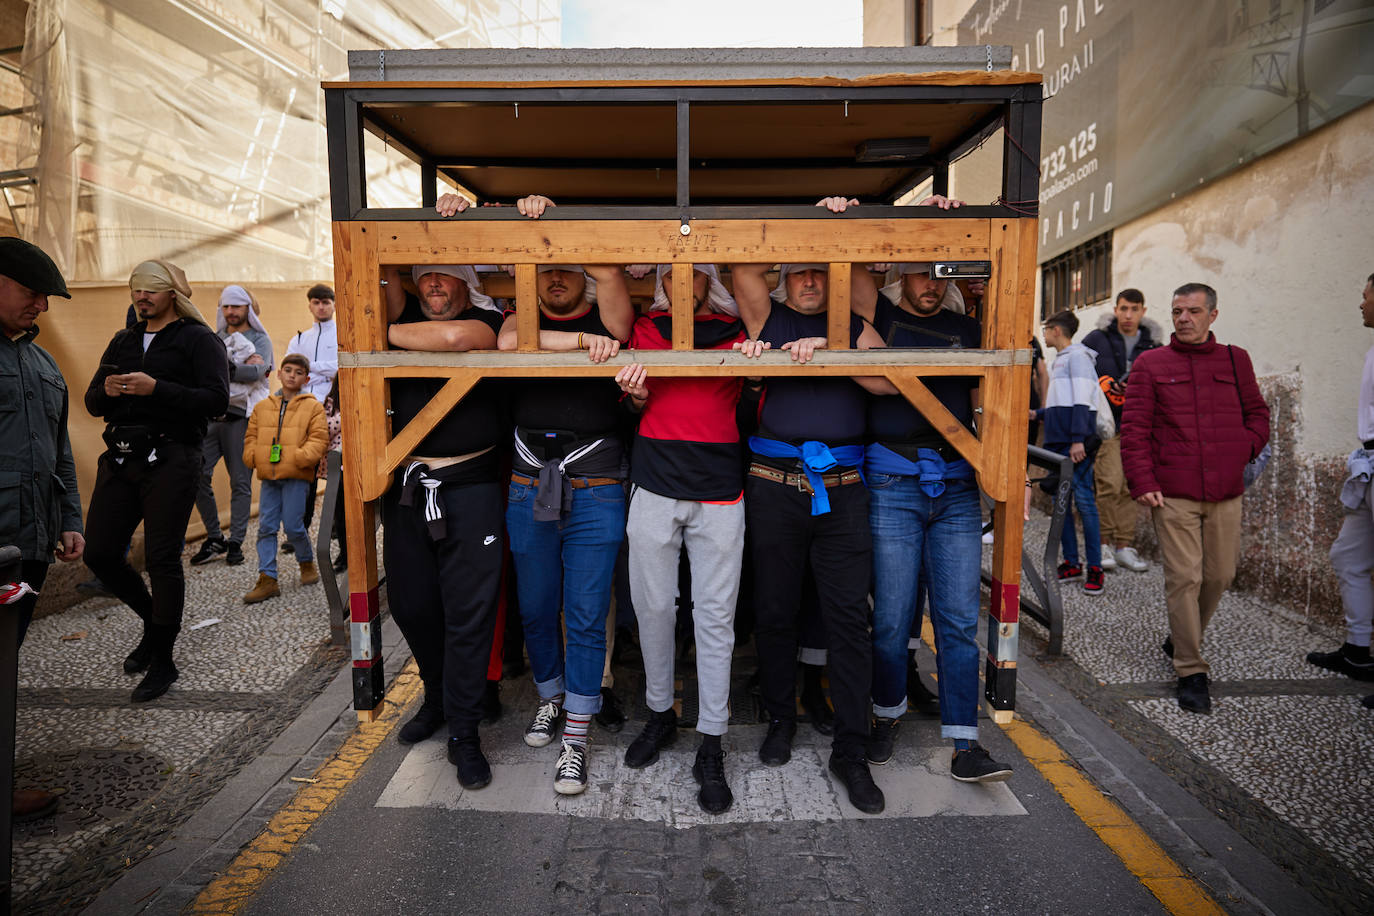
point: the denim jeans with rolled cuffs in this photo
(1085, 499)
(281, 504)
(568, 562)
(925, 518)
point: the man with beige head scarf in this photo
(159, 383)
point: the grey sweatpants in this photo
(656, 528)
(224, 439)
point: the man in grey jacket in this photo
(40, 507)
(250, 361)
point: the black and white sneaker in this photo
(1351, 660)
(544, 724)
(882, 736)
(570, 776)
(212, 548)
(977, 765)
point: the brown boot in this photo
(30, 804)
(309, 574)
(266, 588)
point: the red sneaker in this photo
(1069, 571)
(1093, 583)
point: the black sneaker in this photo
(918, 696)
(139, 659)
(1192, 694)
(424, 723)
(776, 749)
(542, 727)
(491, 703)
(1168, 647)
(233, 553)
(817, 709)
(1093, 584)
(881, 737)
(155, 683)
(288, 547)
(977, 765)
(659, 732)
(570, 776)
(1368, 702)
(341, 564)
(611, 717)
(1350, 660)
(211, 548)
(1068, 571)
(466, 754)
(715, 796)
(864, 793)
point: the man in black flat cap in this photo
(40, 512)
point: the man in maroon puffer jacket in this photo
(1193, 418)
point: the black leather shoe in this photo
(491, 703)
(611, 717)
(776, 749)
(155, 683)
(882, 736)
(425, 722)
(817, 709)
(659, 732)
(715, 796)
(466, 754)
(1350, 660)
(139, 659)
(864, 793)
(1192, 694)
(233, 555)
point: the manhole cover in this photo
(97, 787)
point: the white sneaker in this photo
(570, 776)
(1128, 558)
(987, 537)
(544, 724)
(1107, 561)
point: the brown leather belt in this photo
(578, 483)
(842, 479)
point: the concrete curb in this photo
(170, 877)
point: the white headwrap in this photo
(463, 272)
(589, 288)
(718, 298)
(779, 293)
(953, 300)
(237, 295)
(242, 394)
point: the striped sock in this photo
(575, 728)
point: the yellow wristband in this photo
(579, 340)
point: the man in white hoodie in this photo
(250, 361)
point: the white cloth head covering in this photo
(779, 293)
(953, 300)
(159, 276)
(718, 298)
(589, 288)
(463, 272)
(233, 294)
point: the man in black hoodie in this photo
(1117, 345)
(159, 383)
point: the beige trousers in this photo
(1116, 511)
(1200, 544)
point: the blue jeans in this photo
(1085, 497)
(569, 564)
(941, 535)
(281, 503)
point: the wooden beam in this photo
(937, 414)
(526, 308)
(405, 441)
(661, 241)
(716, 362)
(683, 307)
(837, 309)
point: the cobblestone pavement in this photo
(1284, 757)
(130, 774)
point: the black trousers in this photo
(161, 497)
(443, 593)
(783, 537)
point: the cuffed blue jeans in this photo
(941, 535)
(1085, 500)
(569, 564)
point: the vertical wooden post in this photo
(838, 307)
(363, 393)
(526, 308)
(1006, 402)
(683, 307)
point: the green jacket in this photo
(38, 495)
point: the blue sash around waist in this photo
(816, 459)
(931, 469)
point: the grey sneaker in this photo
(570, 776)
(1127, 558)
(544, 724)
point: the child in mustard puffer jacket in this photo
(286, 437)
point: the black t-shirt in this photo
(476, 422)
(892, 418)
(554, 415)
(801, 408)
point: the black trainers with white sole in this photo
(977, 765)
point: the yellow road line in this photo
(1171, 883)
(254, 865)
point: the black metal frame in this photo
(347, 116)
